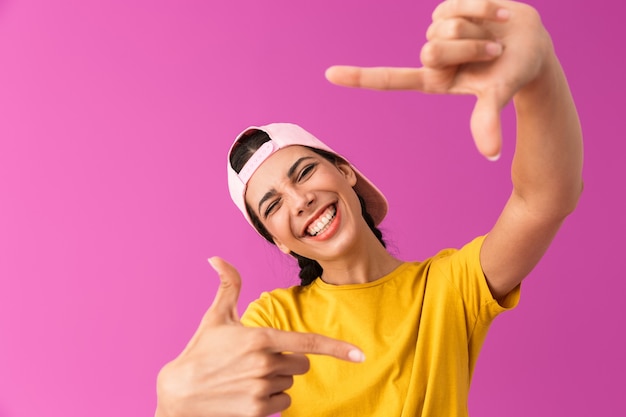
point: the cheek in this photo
(278, 225)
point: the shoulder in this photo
(262, 311)
(461, 270)
(469, 251)
(455, 261)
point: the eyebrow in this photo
(290, 174)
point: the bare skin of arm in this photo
(499, 51)
(496, 50)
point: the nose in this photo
(302, 202)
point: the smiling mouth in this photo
(322, 222)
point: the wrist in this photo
(547, 86)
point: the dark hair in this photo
(310, 269)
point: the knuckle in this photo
(454, 29)
(486, 8)
(437, 12)
(531, 11)
(447, 29)
(310, 343)
(430, 54)
(263, 363)
(260, 389)
(163, 378)
(254, 402)
(254, 408)
(445, 9)
(386, 80)
(430, 32)
(453, 6)
(260, 339)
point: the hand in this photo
(488, 48)
(231, 370)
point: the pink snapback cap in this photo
(287, 134)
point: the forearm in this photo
(547, 166)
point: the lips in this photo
(320, 223)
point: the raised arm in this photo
(547, 179)
(499, 51)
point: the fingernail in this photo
(210, 260)
(494, 48)
(356, 355)
(493, 158)
(503, 14)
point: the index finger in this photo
(295, 342)
(377, 78)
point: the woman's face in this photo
(306, 203)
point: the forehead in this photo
(274, 169)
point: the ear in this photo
(284, 249)
(348, 173)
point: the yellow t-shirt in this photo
(421, 329)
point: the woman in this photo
(420, 324)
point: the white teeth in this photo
(322, 222)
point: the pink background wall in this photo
(115, 118)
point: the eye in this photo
(306, 172)
(271, 207)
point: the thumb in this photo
(486, 127)
(224, 307)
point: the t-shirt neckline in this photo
(346, 287)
